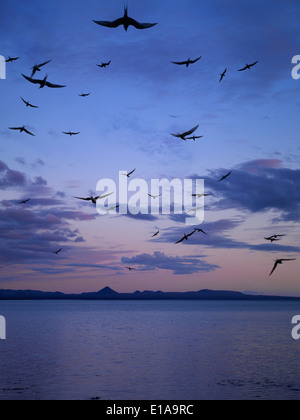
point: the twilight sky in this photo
(249, 122)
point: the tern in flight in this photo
(274, 238)
(130, 268)
(28, 103)
(201, 195)
(280, 261)
(84, 95)
(37, 67)
(155, 234)
(129, 174)
(94, 199)
(223, 75)
(155, 196)
(21, 129)
(248, 66)
(11, 59)
(57, 252)
(126, 21)
(43, 82)
(24, 201)
(194, 138)
(104, 65)
(187, 62)
(225, 176)
(70, 133)
(185, 237)
(183, 136)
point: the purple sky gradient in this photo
(249, 123)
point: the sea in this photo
(149, 350)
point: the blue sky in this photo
(249, 123)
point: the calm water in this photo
(149, 350)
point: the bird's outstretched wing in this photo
(187, 133)
(274, 268)
(28, 132)
(179, 63)
(31, 80)
(85, 199)
(139, 25)
(195, 61)
(100, 197)
(108, 24)
(254, 64)
(52, 85)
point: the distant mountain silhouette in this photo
(109, 294)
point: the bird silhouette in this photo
(201, 195)
(57, 252)
(37, 67)
(28, 103)
(223, 75)
(183, 136)
(280, 261)
(199, 231)
(248, 66)
(185, 237)
(43, 82)
(154, 196)
(94, 199)
(22, 130)
(187, 62)
(194, 138)
(11, 59)
(225, 176)
(155, 234)
(104, 65)
(129, 174)
(130, 268)
(24, 201)
(126, 21)
(84, 95)
(70, 133)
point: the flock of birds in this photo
(127, 21)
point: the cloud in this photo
(258, 186)
(10, 178)
(178, 265)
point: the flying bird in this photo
(70, 133)
(183, 136)
(199, 230)
(24, 201)
(201, 195)
(280, 261)
(184, 238)
(155, 196)
(104, 65)
(194, 138)
(130, 268)
(84, 95)
(223, 75)
(37, 67)
(187, 62)
(248, 66)
(57, 252)
(225, 176)
(155, 234)
(272, 239)
(94, 199)
(43, 82)
(21, 129)
(11, 59)
(130, 173)
(126, 21)
(28, 103)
